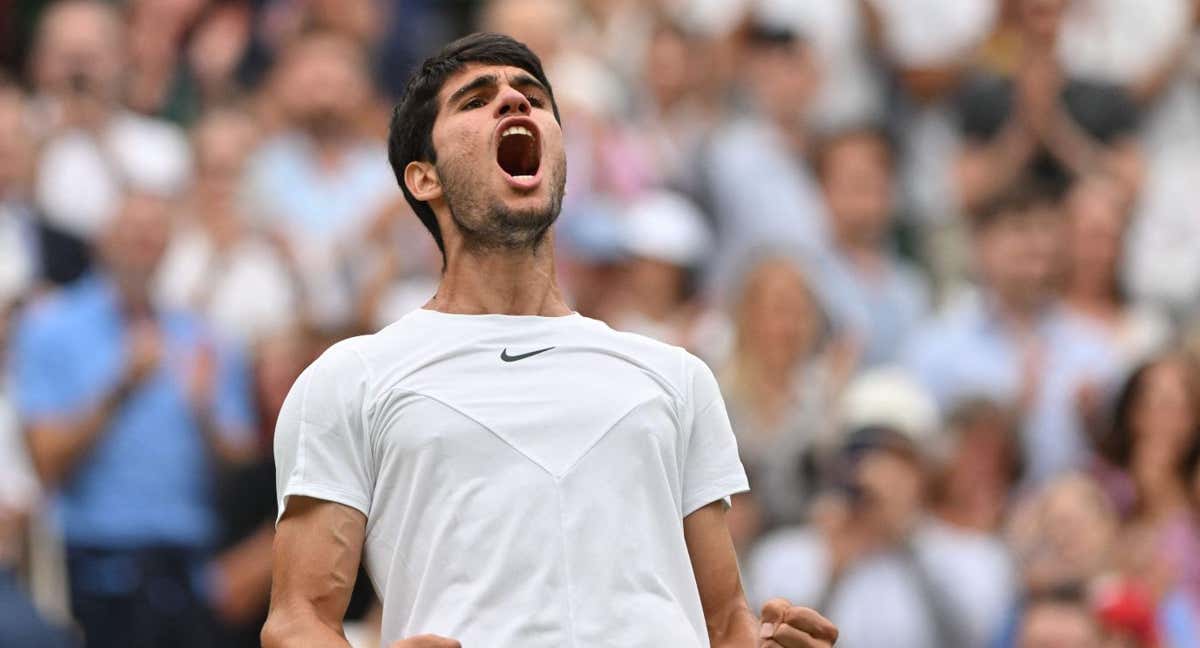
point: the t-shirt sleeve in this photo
(36, 367)
(712, 469)
(322, 444)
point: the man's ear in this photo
(422, 181)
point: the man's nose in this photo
(512, 103)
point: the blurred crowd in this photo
(944, 258)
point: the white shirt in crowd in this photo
(524, 479)
(81, 175)
(245, 293)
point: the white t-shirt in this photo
(528, 502)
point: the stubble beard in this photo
(487, 224)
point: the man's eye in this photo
(474, 103)
(536, 102)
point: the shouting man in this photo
(513, 475)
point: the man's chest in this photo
(548, 413)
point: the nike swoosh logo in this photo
(513, 358)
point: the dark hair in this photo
(968, 413)
(830, 140)
(1017, 199)
(1118, 444)
(410, 135)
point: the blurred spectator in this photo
(872, 296)
(983, 465)
(592, 239)
(760, 188)
(186, 56)
(1027, 115)
(1156, 439)
(672, 114)
(216, 264)
(155, 34)
(1012, 343)
(127, 410)
(666, 240)
(778, 386)
(1059, 619)
(323, 182)
(96, 148)
(876, 564)
(1063, 534)
(406, 266)
(972, 561)
(928, 44)
(1093, 290)
(851, 89)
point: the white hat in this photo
(665, 226)
(890, 397)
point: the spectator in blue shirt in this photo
(1012, 342)
(871, 294)
(128, 410)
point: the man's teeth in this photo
(516, 130)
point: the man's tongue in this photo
(518, 155)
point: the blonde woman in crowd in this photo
(779, 383)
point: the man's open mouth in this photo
(518, 152)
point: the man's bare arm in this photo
(731, 623)
(318, 547)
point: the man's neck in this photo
(501, 282)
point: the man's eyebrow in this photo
(526, 81)
(481, 81)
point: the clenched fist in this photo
(427, 641)
(788, 626)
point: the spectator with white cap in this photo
(885, 569)
(666, 241)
